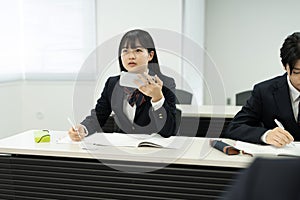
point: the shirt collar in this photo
(293, 91)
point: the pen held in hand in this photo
(279, 124)
(73, 126)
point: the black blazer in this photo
(146, 120)
(275, 179)
(269, 100)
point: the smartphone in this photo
(128, 79)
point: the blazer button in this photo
(133, 128)
(160, 116)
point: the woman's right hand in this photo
(77, 135)
(152, 86)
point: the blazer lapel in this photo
(282, 99)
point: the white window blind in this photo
(45, 38)
(10, 49)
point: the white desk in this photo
(64, 171)
(196, 152)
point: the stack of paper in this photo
(259, 150)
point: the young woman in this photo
(149, 109)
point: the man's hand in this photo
(279, 137)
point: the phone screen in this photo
(128, 79)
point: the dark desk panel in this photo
(203, 126)
(29, 177)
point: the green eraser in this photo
(41, 136)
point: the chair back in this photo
(183, 97)
(242, 97)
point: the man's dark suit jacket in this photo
(276, 179)
(269, 100)
(146, 120)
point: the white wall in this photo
(35, 105)
(47, 104)
(11, 106)
(40, 105)
(115, 17)
(243, 38)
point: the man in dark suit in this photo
(275, 179)
(277, 98)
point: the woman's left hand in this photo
(152, 86)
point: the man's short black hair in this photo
(290, 50)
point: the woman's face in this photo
(136, 59)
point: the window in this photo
(45, 38)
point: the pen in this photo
(73, 126)
(281, 126)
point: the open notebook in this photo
(260, 150)
(132, 140)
